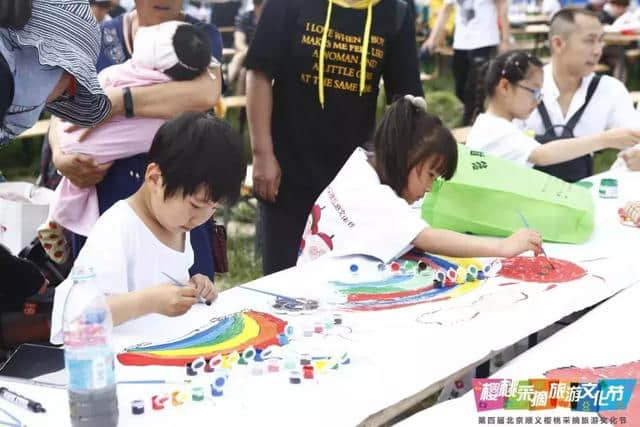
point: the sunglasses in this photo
(537, 93)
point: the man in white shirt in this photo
(576, 38)
(475, 40)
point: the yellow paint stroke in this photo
(464, 262)
(469, 286)
(464, 289)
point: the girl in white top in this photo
(513, 84)
(366, 209)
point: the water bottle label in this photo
(87, 374)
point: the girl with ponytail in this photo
(366, 209)
(513, 85)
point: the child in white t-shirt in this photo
(367, 209)
(513, 84)
(195, 162)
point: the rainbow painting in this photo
(407, 287)
(224, 335)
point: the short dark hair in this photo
(623, 3)
(406, 136)
(106, 4)
(512, 66)
(195, 150)
(193, 49)
(562, 20)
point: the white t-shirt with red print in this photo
(357, 215)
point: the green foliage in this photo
(20, 160)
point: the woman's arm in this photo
(167, 100)
(82, 170)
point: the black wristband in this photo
(128, 102)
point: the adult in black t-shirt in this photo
(302, 132)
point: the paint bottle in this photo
(608, 188)
(88, 355)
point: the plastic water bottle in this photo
(88, 355)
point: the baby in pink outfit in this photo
(169, 51)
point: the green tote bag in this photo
(487, 195)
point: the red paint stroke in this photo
(627, 370)
(390, 295)
(270, 328)
(537, 269)
(391, 307)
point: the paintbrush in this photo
(270, 294)
(307, 304)
(526, 224)
(178, 283)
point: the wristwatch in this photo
(128, 102)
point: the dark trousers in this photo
(280, 230)
(469, 81)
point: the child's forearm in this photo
(131, 305)
(450, 243)
(562, 150)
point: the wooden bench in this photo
(228, 52)
(39, 129)
(632, 55)
(424, 77)
(42, 126)
(246, 190)
(534, 29)
(527, 45)
(239, 101)
(600, 68)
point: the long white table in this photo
(395, 359)
(605, 336)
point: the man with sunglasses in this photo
(576, 101)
